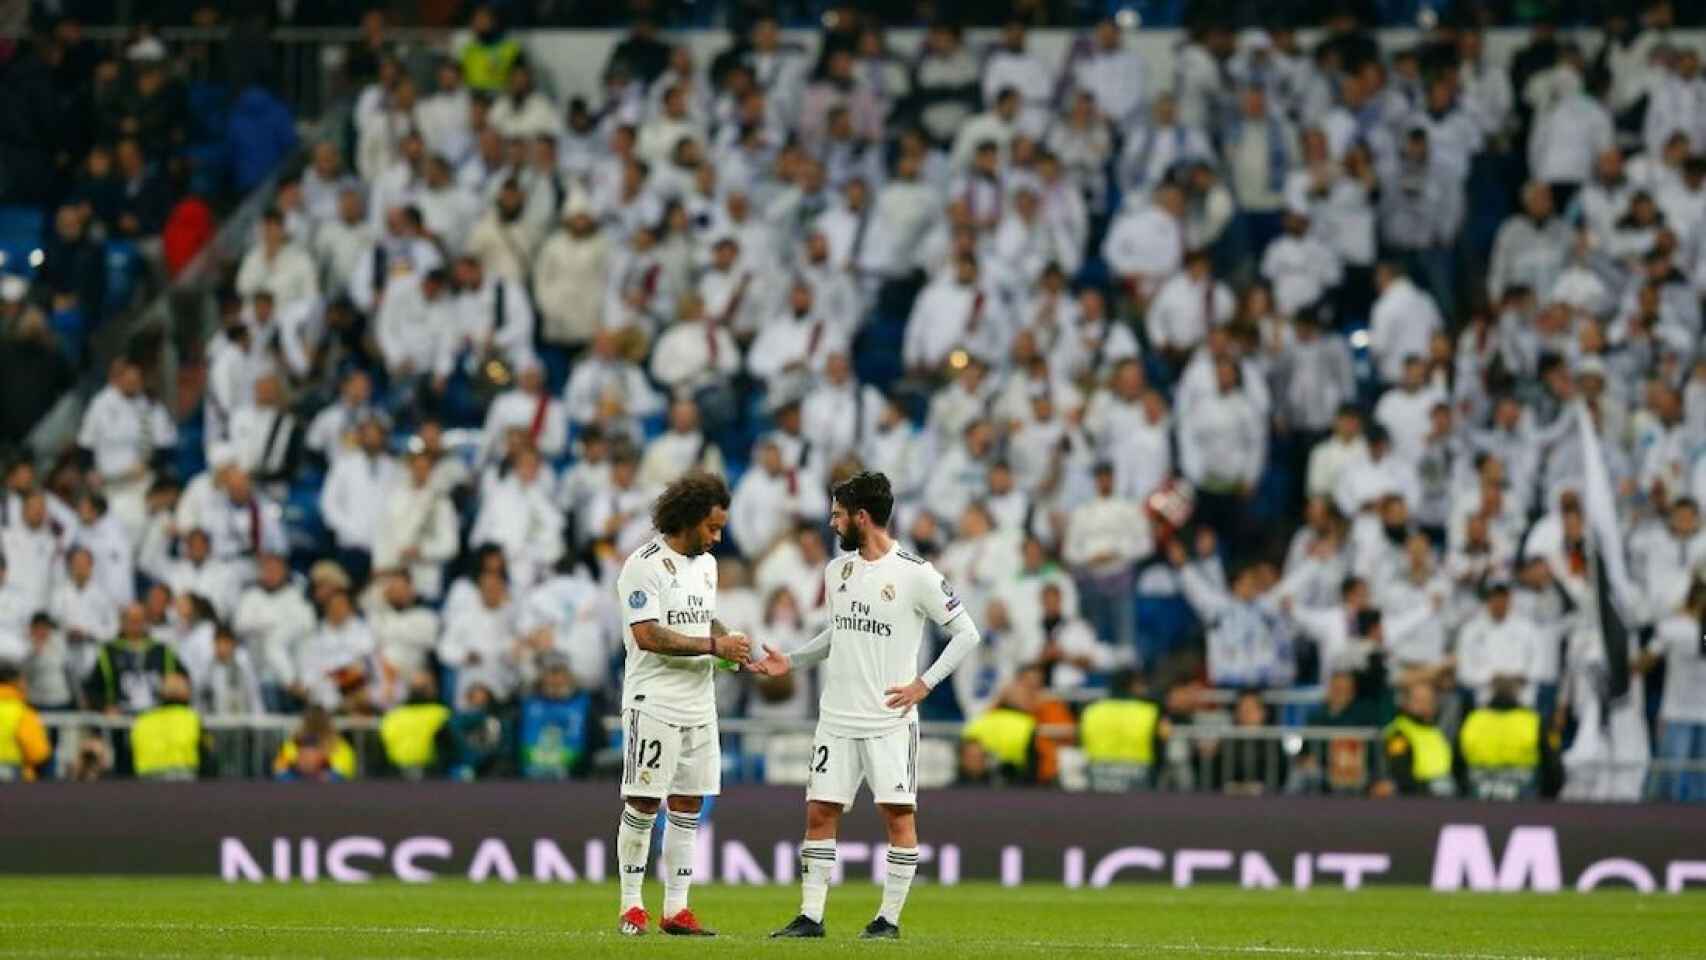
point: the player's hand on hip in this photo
(774, 663)
(900, 698)
(733, 646)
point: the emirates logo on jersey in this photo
(847, 571)
(669, 565)
(888, 592)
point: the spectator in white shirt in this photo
(123, 431)
(99, 532)
(518, 512)
(1010, 66)
(479, 640)
(200, 573)
(1223, 443)
(1341, 448)
(443, 116)
(416, 326)
(791, 349)
(956, 312)
(1500, 645)
(273, 620)
(352, 502)
(341, 240)
(278, 266)
(681, 448)
(1566, 140)
(698, 354)
(1363, 482)
(996, 125)
(770, 499)
(31, 549)
(334, 666)
(1112, 72)
(1145, 245)
(528, 410)
(333, 428)
(1406, 410)
(1154, 148)
(1301, 267)
(1403, 323)
(81, 606)
(1184, 309)
(522, 112)
(605, 380)
(572, 260)
(840, 412)
(504, 240)
(618, 510)
(1105, 539)
(1532, 247)
(266, 439)
(418, 533)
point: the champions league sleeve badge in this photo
(637, 599)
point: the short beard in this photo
(852, 538)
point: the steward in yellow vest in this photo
(165, 742)
(1504, 747)
(1419, 758)
(23, 742)
(488, 57)
(417, 734)
(1122, 735)
(1008, 736)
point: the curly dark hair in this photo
(688, 500)
(868, 491)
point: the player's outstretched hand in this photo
(774, 663)
(900, 698)
(733, 646)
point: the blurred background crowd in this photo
(1245, 378)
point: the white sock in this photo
(903, 863)
(817, 865)
(633, 845)
(678, 833)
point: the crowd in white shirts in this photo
(1052, 299)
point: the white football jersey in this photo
(877, 621)
(680, 593)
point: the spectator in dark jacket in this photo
(74, 269)
(145, 196)
(155, 110)
(260, 135)
(37, 375)
(30, 119)
(98, 185)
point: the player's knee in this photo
(686, 804)
(646, 805)
(820, 816)
(898, 812)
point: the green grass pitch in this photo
(143, 919)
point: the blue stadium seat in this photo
(22, 225)
(124, 272)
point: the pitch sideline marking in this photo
(1349, 953)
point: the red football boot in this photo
(634, 922)
(684, 924)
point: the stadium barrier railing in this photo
(1195, 758)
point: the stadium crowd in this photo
(1262, 376)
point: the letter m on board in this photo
(1464, 859)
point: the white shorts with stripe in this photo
(888, 763)
(663, 760)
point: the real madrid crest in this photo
(669, 565)
(847, 571)
(646, 775)
(888, 592)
